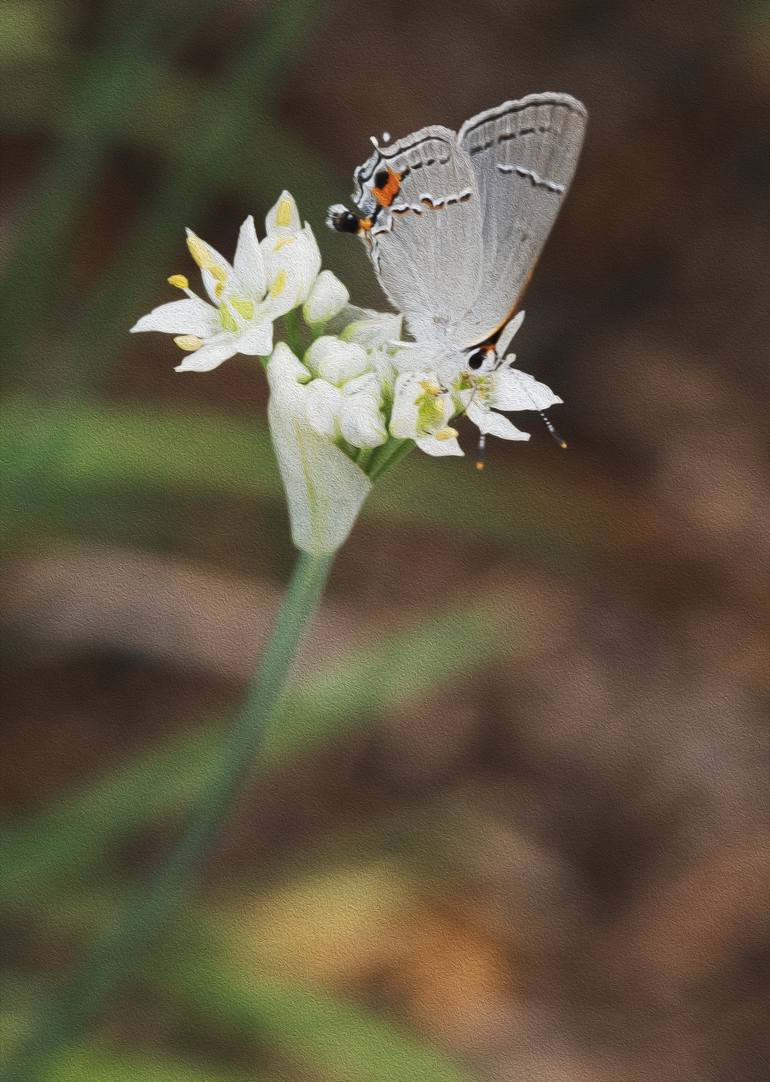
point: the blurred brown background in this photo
(536, 847)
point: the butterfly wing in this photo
(523, 155)
(425, 244)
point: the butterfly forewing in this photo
(523, 156)
(426, 245)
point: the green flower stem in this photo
(387, 456)
(92, 987)
(292, 333)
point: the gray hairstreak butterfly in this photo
(454, 221)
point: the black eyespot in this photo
(476, 358)
(381, 178)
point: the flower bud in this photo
(322, 406)
(336, 361)
(327, 297)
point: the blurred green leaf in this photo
(88, 1065)
(326, 1034)
(105, 85)
(202, 163)
(272, 157)
(96, 1062)
(382, 677)
(27, 31)
(558, 520)
(112, 80)
(314, 1029)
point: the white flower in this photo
(327, 299)
(265, 281)
(324, 487)
(421, 412)
(290, 250)
(504, 388)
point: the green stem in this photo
(292, 332)
(91, 988)
(388, 455)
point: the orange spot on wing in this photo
(389, 190)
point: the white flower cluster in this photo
(352, 388)
(266, 280)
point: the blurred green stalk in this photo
(90, 989)
(105, 91)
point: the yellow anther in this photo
(430, 387)
(219, 289)
(179, 281)
(446, 433)
(198, 250)
(188, 342)
(283, 214)
(217, 272)
(244, 308)
(278, 284)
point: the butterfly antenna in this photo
(481, 457)
(552, 431)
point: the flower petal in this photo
(284, 217)
(322, 406)
(439, 448)
(256, 339)
(215, 269)
(210, 355)
(292, 262)
(327, 298)
(517, 390)
(361, 420)
(249, 264)
(325, 489)
(190, 316)
(494, 424)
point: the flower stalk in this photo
(348, 399)
(90, 990)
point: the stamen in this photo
(179, 281)
(188, 342)
(446, 433)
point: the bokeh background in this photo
(514, 824)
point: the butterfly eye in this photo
(381, 178)
(476, 358)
